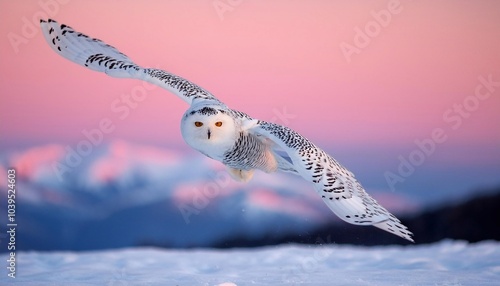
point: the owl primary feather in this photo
(243, 144)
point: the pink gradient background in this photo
(264, 57)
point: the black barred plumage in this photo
(184, 87)
(99, 56)
(337, 186)
(232, 137)
(109, 62)
(207, 111)
(248, 153)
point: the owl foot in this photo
(240, 175)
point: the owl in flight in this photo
(242, 143)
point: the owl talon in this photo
(240, 175)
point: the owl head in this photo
(209, 129)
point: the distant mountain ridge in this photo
(474, 220)
(124, 195)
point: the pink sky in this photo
(264, 58)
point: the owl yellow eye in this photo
(218, 124)
(198, 124)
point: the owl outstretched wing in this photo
(338, 187)
(99, 56)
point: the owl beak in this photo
(209, 133)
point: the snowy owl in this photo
(243, 144)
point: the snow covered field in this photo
(443, 263)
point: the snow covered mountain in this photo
(122, 194)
